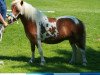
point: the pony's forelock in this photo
(15, 1)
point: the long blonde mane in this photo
(29, 11)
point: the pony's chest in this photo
(48, 30)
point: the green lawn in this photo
(15, 48)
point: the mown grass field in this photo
(15, 48)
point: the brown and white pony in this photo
(39, 28)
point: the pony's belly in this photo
(53, 40)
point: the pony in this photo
(40, 28)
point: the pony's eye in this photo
(17, 10)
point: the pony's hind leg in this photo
(74, 48)
(83, 56)
(81, 46)
(33, 53)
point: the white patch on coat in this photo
(48, 26)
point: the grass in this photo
(15, 48)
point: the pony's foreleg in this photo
(39, 43)
(40, 52)
(74, 48)
(33, 53)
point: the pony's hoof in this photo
(42, 63)
(1, 63)
(84, 64)
(71, 62)
(31, 61)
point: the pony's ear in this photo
(21, 2)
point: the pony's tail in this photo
(82, 37)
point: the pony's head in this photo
(17, 6)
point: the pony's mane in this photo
(26, 9)
(29, 11)
(32, 13)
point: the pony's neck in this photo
(31, 13)
(41, 17)
(28, 11)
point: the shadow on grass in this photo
(60, 63)
(93, 57)
(18, 58)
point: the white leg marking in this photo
(39, 44)
(33, 57)
(41, 52)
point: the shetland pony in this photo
(39, 28)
